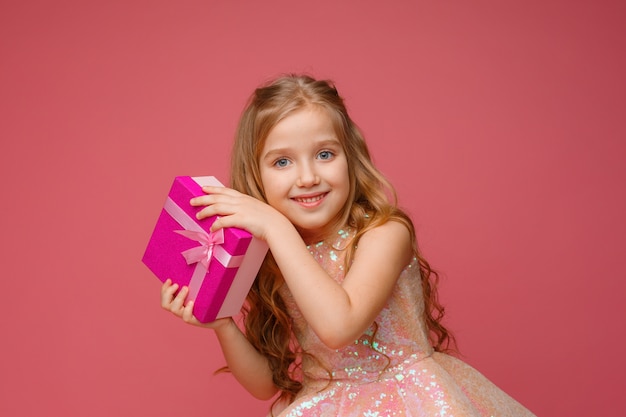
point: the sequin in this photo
(391, 370)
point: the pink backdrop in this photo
(502, 126)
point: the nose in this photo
(307, 176)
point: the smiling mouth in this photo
(310, 199)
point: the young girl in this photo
(343, 318)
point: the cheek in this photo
(341, 175)
(265, 179)
(272, 186)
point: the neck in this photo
(312, 237)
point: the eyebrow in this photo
(272, 153)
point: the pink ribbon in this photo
(204, 252)
(211, 247)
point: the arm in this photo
(248, 366)
(338, 313)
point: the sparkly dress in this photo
(395, 373)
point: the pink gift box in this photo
(219, 268)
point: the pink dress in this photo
(395, 374)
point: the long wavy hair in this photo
(372, 202)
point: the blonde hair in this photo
(372, 202)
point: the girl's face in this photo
(304, 171)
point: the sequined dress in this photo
(394, 374)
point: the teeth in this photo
(309, 199)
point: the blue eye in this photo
(325, 155)
(281, 163)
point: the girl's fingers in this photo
(188, 313)
(178, 303)
(170, 301)
(207, 212)
(204, 200)
(233, 220)
(217, 224)
(213, 207)
(167, 293)
(213, 194)
(219, 190)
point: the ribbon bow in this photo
(203, 252)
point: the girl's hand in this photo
(175, 303)
(238, 210)
(248, 366)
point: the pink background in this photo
(502, 126)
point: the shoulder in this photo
(391, 229)
(392, 239)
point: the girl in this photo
(343, 318)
